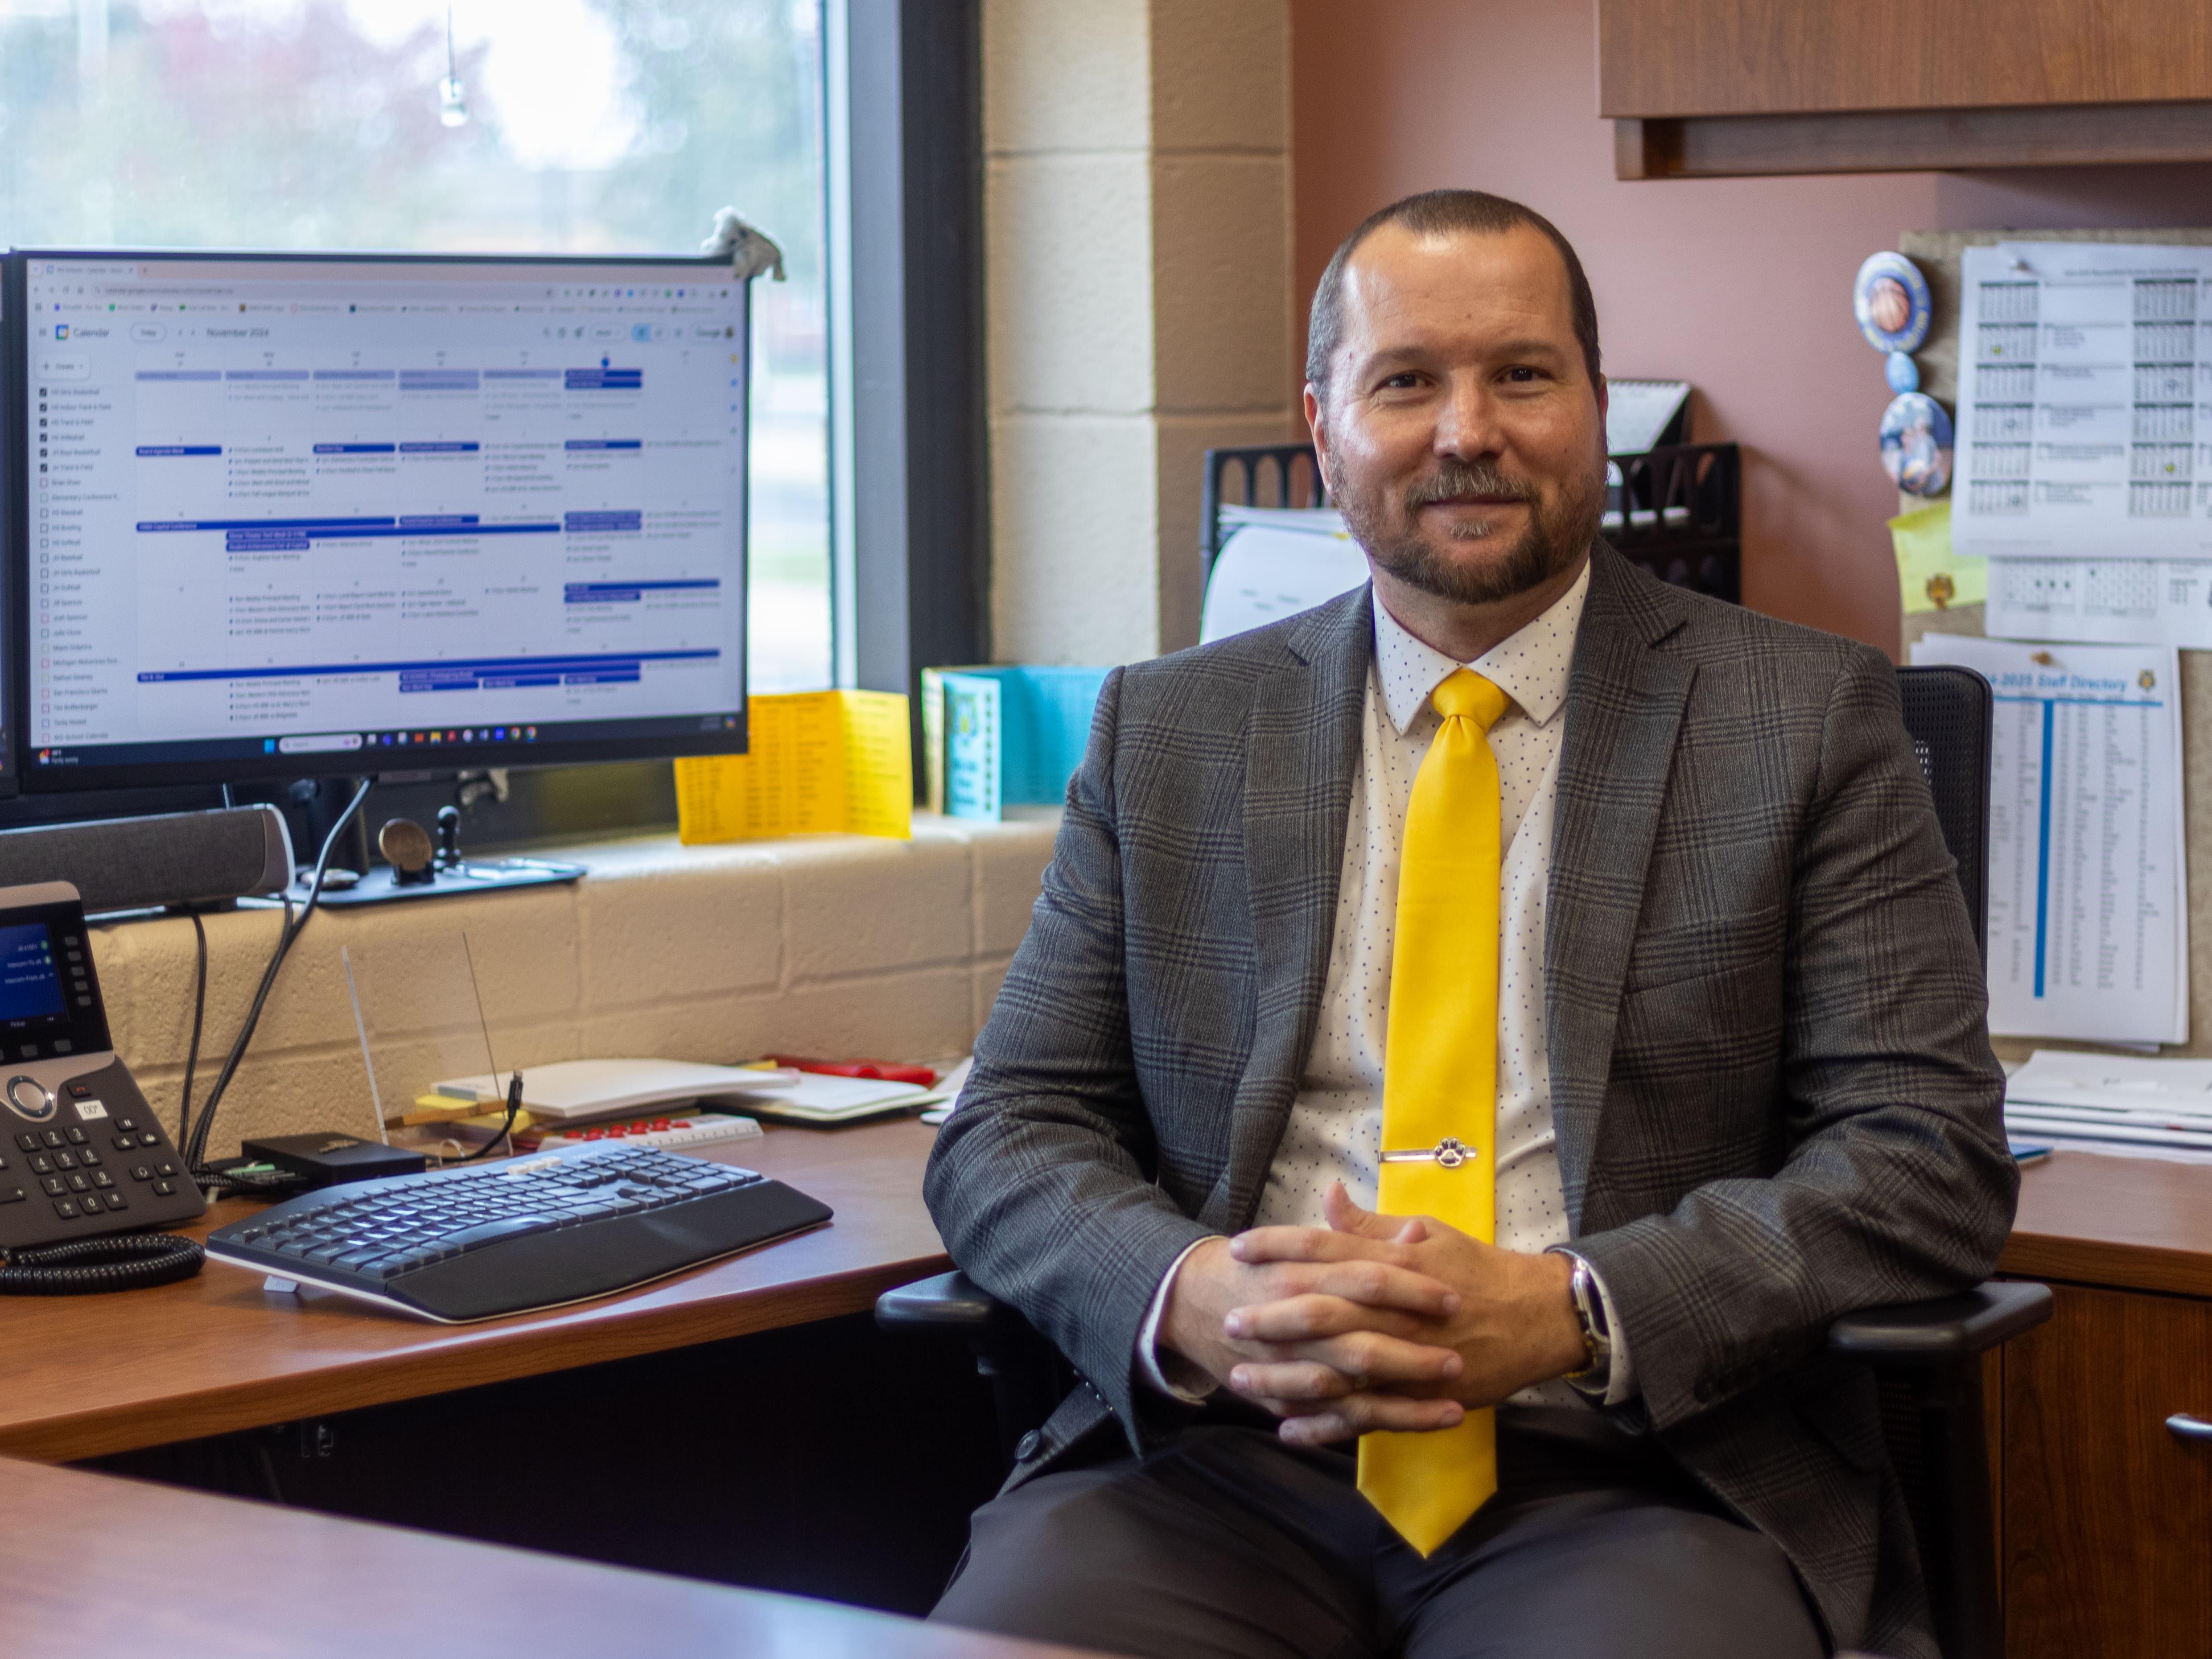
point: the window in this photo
(545, 125)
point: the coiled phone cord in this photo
(127, 1262)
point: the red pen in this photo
(881, 1070)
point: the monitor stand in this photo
(414, 869)
(382, 885)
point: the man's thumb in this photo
(1346, 1216)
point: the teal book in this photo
(1015, 744)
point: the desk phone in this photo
(82, 1153)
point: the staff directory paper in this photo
(2088, 910)
(2085, 391)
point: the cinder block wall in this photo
(827, 945)
(1137, 303)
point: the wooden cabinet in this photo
(1712, 87)
(2105, 1513)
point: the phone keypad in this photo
(114, 1169)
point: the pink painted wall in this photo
(1741, 287)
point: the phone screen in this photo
(30, 986)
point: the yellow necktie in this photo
(1440, 1076)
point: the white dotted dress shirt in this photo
(1335, 1127)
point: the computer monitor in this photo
(278, 515)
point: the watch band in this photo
(1595, 1379)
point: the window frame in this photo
(908, 442)
(909, 458)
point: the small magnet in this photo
(1915, 444)
(1901, 371)
(1891, 301)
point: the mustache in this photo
(1455, 478)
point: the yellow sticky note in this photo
(819, 762)
(1929, 575)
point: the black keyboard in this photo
(454, 1245)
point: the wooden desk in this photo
(2104, 1513)
(215, 1578)
(89, 1376)
(2123, 1221)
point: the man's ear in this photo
(1317, 424)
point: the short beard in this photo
(1551, 543)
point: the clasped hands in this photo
(1370, 1322)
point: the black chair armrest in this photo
(1939, 1329)
(1944, 1328)
(951, 1303)
(1027, 1378)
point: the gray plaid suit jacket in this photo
(1773, 1093)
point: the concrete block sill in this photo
(833, 945)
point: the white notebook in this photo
(816, 1099)
(573, 1089)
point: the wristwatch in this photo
(1595, 1379)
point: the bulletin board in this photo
(1937, 254)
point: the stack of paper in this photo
(1276, 562)
(819, 1099)
(2112, 1097)
(820, 763)
(1641, 414)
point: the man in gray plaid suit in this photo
(1743, 1080)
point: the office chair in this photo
(1926, 1356)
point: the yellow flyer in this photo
(818, 763)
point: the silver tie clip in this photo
(1447, 1154)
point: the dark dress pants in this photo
(1227, 1544)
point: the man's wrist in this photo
(1593, 1377)
(1561, 1350)
(1186, 1340)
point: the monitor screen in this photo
(288, 516)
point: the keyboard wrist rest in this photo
(566, 1264)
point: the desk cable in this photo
(140, 1261)
(199, 1018)
(83, 1266)
(219, 1181)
